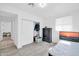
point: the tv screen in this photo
(69, 36)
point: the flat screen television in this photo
(69, 36)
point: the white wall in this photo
(75, 22)
(14, 30)
(64, 24)
(50, 22)
(25, 31)
(33, 19)
(67, 23)
(21, 14)
(5, 26)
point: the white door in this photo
(27, 32)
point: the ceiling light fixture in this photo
(31, 4)
(42, 5)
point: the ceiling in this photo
(51, 10)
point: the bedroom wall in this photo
(75, 21)
(50, 22)
(21, 15)
(67, 23)
(64, 24)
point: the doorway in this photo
(36, 36)
(7, 30)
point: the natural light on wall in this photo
(63, 28)
(64, 24)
